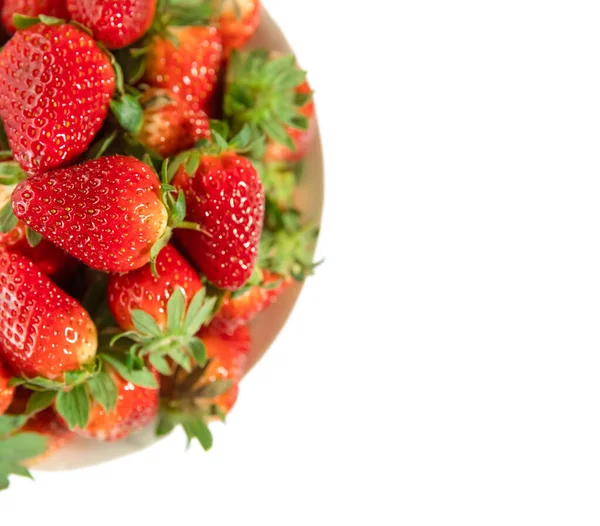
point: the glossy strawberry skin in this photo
(114, 23)
(190, 70)
(142, 290)
(6, 393)
(237, 31)
(168, 126)
(302, 139)
(55, 90)
(225, 197)
(55, 8)
(107, 212)
(239, 310)
(51, 260)
(136, 408)
(43, 331)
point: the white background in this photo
(443, 366)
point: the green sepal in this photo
(10, 172)
(104, 391)
(33, 238)
(8, 220)
(140, 377)
(214, 389)
(16, 449)
(10, 423)
(197, 429)
(74, 406)
(40, 400)
(128, 111)
(100, 146)
(24, 21)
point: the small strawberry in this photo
(189, 69)
(55, 90)
(6, 392)
(135, 408)
(48, 424)
(207, 393)
(43, 332)
(33, 8)
(143, 290)
(108, 213)
(168, 126)
(270, 94)
(114, 23)
(237, 21)
(224, 195)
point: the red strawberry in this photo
(114, 23)
(43, 332)
(237, 21)
(55, 90)
(49, 425)
(6, 392)
(55, 8)
(107, 212)
(190, 70)
(239, 309)
(142, 290)
(168, 126)
(136, 407)
(50, 259)
(225, 196)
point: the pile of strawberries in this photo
(147, 186)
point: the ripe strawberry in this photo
(6, 392)
(189, 70)
(55, 8)
(114, 23)
(107, 212)
(239, 309)
(135, 408)
(237, 21)
(143, 290)
(168, 126)
(43, 332)
(226, 198)
(270, 94)
(53, 106)
(49, 425)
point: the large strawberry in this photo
(168, 127)
(150, 293)
(190, 68)
(237, 21)
(6, 392)
(33, 8)
(224, 195)
(43, 331)
(270, 94)
(114, 23)
(109, 212)
(55, 90)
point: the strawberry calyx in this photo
(261, 92)
(177, 342)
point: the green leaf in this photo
(198, 350)
(14, 468)
(99, 147)
(220, 141)
(22, 447)
(11, 173)
(8, 220)
(74, 406)
(33, 238)
(219, 127)
(104, 391)
(166, 424)
(37, 382)
(196, 428)
(181, 358)
(242, 139)
(160, 364)
(193, 162)
(10, 423)
(140, 377)
(192, 324)
(129, 113)
(179, 210)
(144, 323)
(23, 21)
(39, 401)
(214, 389)
(51, 20)
(175, 308)
(278, 133)
(162, 242)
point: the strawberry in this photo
(114, 23)
(143, 290)
(209, 392)
(168, 126)
(190, 69)
(53, 106)
(43, 331)
(134, 409)
(270, 94)
(106, 212)
(6, 392)
(237, 21)
(225, 196)
(240, 308)
(33, 8)
(49, 425)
